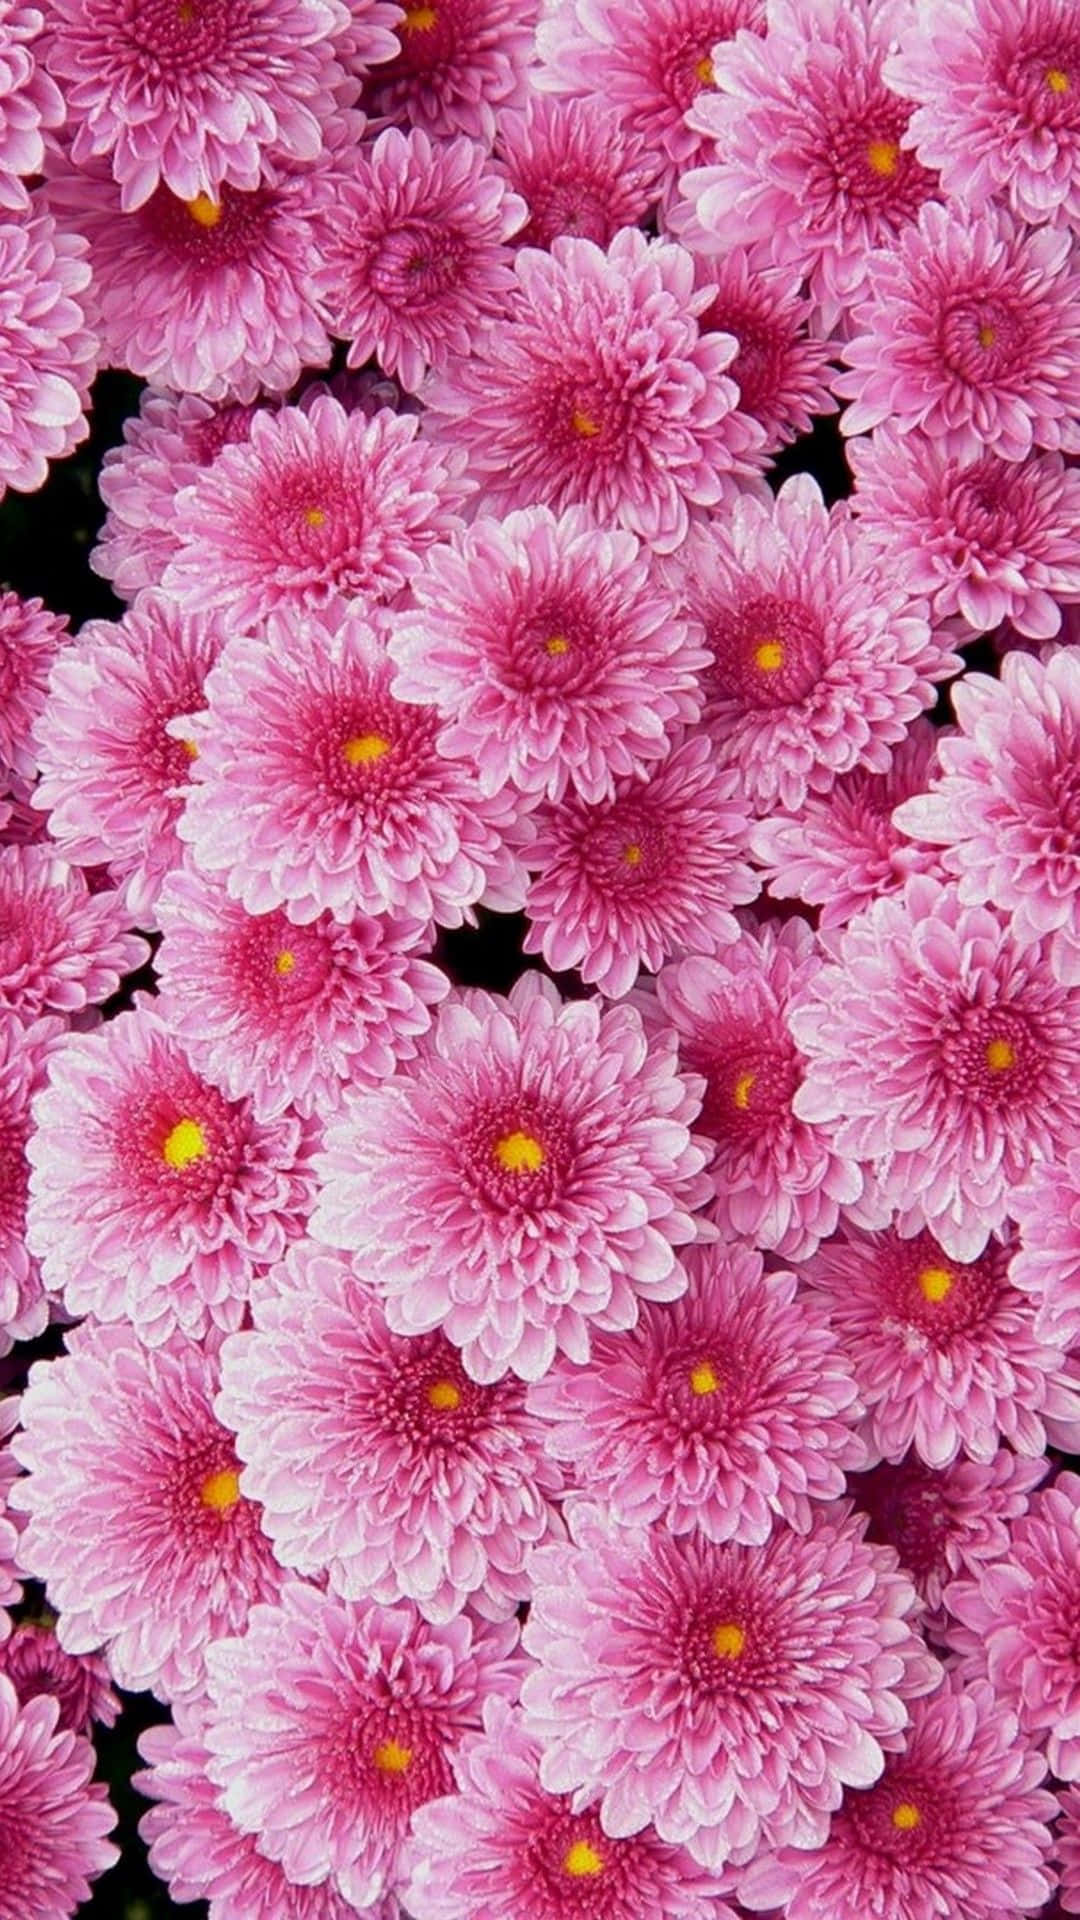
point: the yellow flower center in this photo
(1057, 80)
(314, 517)
(702, 1379)
(284, 962)
(883, 158)
(221, 1491)
(987, 335)
(584, 424)
(190, 749)
(1000, 1056)
(906, 1816)
(769, 656)
(443, 1396)
(741, 1094)
(558, 644)
(185, 1144)
(582, 1862)
(936, 1283)
(632, 854)
(728, 1640)
(520, 1153)
(204, 211)
(390, 1757)
(420, 19)
(363, 749)
(706, 72)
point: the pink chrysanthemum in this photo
(944, 1351)
(578, 169)
(529, 1178)
(112, 774)
(459, 62)
(152, 1196)
(503, 1847)
(35, 1663)
(414, 242)
(53, 1815)
(289, 1014)
(10, 1522)
(30, 639)
(319, 505)
(809, 157)
(726, 1694)
(1015, 1624)
(961, 334)
(1003, 808)
(715, 1413)
(945, 1056)
(949, 1520)
(30, 102)
(48, 356)
(552, 650)
(136, 1522)
(597, 389)
(318, 791)
(782, 375)
(62, 948)
(424, 1486)
(821, 659)
(23, 1055)
(957, 1828)
(994, 82)
(652, 872)
(331, 1721)
(1067, 1838)
(841, 851)
(1047, 1264)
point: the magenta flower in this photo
(596, 389)
(725, 1694)
(1047, 1264)
(30, 639)
(136, 1522)
(30, 102)
(530, 1177)
(53, 1815)
(577, 167)
(782, 375)
(35, 1663)
(944, 1521)
(944, 1056)
(48, 355)
(460, 61)
(62, 948)
(24, 1052)
(331, 1722)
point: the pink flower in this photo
(24, 1052)
(153, 1197)
(530, 1177)
(30, 102)
(960, 334)
(726, 1694)
(30, 639)
(330, 1722)
(577, 167)
(48, 355)
(957, 1828)
(53, 1816)
(782, 375)
(944, 1521)
(460, 61)
(35, 1663)
(1047, 1264)
(319, 792)
(595, 389)
(136, 1520)
(10, 1522)
(112, 773)
(1067, 1837)
(414, 242)
(62, 948)
(944, 1056)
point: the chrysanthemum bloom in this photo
(528, 1178)
(596, 389)
(948, 1520)
(24, 1052)
(1003, 808)
(112, 774)
(48, 356)
(553, 651)
(1047, 1263)
(961, 334)
(152, 1196)
(318, 791)
(461, 62)
(782, 375)
(35, 1663)
(424, 1486)
(62, 948)
(414, 246)
(654, 871)
(957, 1828)
(810, 159)
(821, 659)
(840, 851)
(727, 1694)
(30, 102)
(30, 639)
(289, 1014)
(1067, 1839)
(715, 1413)
(319, 505)
(776, 1181)
(578, 169)
(1016, 1624)
(53, 1815)
(331, 1721)
(995, 86)
(503, 1847)
(945, 1056)
(10, 1522)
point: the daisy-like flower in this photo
(726, 1694)
(459, 62)
(414, 243)
(654, 871)
(24, 1052)
(960, 334)
(1047, 1264)
(776, 1181)
(553, 651)
(35, 1663)
(318, 791)
(715, 1413)
(62, 948)
(947, 1520)
(944, 1351)
(48, 355)
(112, 774)
(289, 1014)
(135, 1518)
(319, 505)
(1003, 807)
(30, 639)
(578, 169)
(153, 1197)
(330, 1722)
(957, 1828)
(782, 375)
(821, 659)
(530, 1177)
(30, 101)
(945, 1056)
(424, 1487)
(10, 1522)
(53, 1815)
(504, 1847)
(596, 389)
(808, 145)
(995, 87)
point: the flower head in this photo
(1047, 1262)
(48, 354)
(24, 1052)
(30, 101)
(578, 169)
(35, 1663)
(459, 62)
(944, 1521)
(781, 373)
(53, 1815)
(10, 1522)
(1067, 1838)
(62, 948)
(30, 639)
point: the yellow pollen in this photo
(728, 1641)
(519, 1153)
(443, 1396)
(987, 335)
(190, 749)
(364, 749)
(769, 656)
(584, 424)
(284, 962)
(204, 211)
(221, 1491)
(420, 19)
(702, 1379)
(999, 1056)
(883, 157)
(906, 1816)
(314, 517)
(705, 72)
(741, 1095)
(389, 1757)
(632, 854)
(1057, 81)
(185, 1144)
(582, 1862)
(185, 13)
(935, 1283)
(556, 645)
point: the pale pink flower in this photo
(48, 354)
(30, 639)
(944, 1521)
(53, 1815)
(577, 167)
(62, 948)
(30, 102)
(10, 1522)
(1047, 1262)
(35, 1663)
(460, 62)
(24, 1052)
